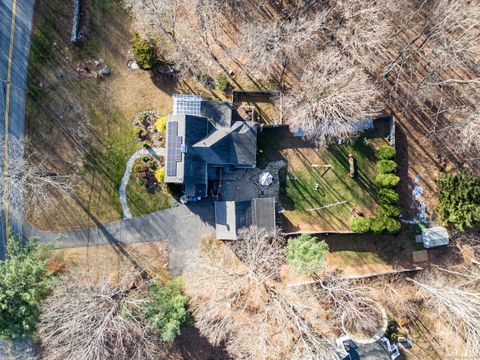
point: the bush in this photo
(137, 168)
(137, 131)
(144, 52)
(390, 210)
(459, 199)
(222, 82)
(393, 226)
(386, 166)
(306, 254)
(387, 180)
(161, 125)
(377, 225)
(146, 144)
(360, 225)
(23, 284)
(388, 196)
(166, 310)
(160, 175)
(386, 152)
(141, 182)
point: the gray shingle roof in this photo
(232, 216)
(209, 139)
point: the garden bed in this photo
(317, 192)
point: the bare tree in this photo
(236, 297)
(361, 28)
(454, 298)
(27, 180)
(331, 99)
(272, 43)
(97, 320)
(463, 136)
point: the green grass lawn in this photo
(297, 191)
(299, 196)
(81, 125)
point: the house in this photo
(382, 349)
(233, 216)
(433, 237)
(203, 137)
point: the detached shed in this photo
(434, 236)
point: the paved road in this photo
(15, 29)
(183, 227)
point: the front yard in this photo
(316, 191)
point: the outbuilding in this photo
(433, 237)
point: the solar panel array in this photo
(187, 104)
(172, 141)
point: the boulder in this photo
(105, 71)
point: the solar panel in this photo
(187, 104)
(172, 132)
(178, 149)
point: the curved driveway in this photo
(182, 226)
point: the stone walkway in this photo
(157, 152)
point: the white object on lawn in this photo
(327, 206)
(266, 179)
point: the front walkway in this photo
(183, 227)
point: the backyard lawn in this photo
(316, 191)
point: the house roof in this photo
(435, 236)
(202, 133)
(235, 145)
(232, 216)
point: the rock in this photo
(60, 74)
(133, 65)
(97, 63)
(105, 71)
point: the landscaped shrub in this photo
(160, 174)
(393, 226)
(23, 285)
(377, 225)
(222, 82)
(306, 254)
(459, 199)
(390, 210)
(360, 225)
(388, 196)
(137, 131)
(144, 52)
(386, 152)
(387, 180)
(166, 310)
(386, 166)
(161, 124)
(141, 182)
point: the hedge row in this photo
(389, 209)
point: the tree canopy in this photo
(23, 284)
(459, 199)
(166, 309)
(306, 254)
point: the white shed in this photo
(434, 236)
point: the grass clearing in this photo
(82, 125)
(337, 195)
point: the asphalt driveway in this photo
(182, 226)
